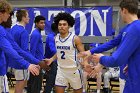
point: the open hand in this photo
(98, 68)
(96, 57)
(88, 68)
(34, 69)
(83, 54)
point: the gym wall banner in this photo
(95, 21)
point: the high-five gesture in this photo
(98, 68)
(34, 69)
(84, 53)
(96, 57)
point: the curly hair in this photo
(8, 23)
(54, 28)
(64, 16)
(5, 6)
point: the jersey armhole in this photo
(73, 42)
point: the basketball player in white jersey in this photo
(67, 44)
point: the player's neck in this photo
(39, 29)
(22, 23)
(1, 19)
(131, 18)
(64, 35)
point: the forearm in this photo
(54, 57)
(107, 46)
(103, 47)
(122, 54)
(27, 55)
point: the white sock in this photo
(98, 91)
(84, 90)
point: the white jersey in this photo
(66, 51)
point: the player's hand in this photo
(88, 68)
(98, 68)
(96, 57)
(83, 54)
(44, 66)
(34, 69)
(90, 58)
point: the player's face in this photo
(26, 18)
(41, 24)
(63, 27)
(4, 16)
(123, 14)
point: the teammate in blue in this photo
(21, 52)
(6, 48)
(50, 51)
(129, 47)
(36, 48)
(21, 37)
(106, 46)
(26, 55)
(109, 45)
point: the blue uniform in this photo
(128, 52)
(50, 48)
(109, 45)
(50, 51)
(36, 44)
(6, 48)
(21, 52)
(36, 48)
(21, 36)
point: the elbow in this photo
(120, 62)
(115, 62)
(109, 61)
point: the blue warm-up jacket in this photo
(36, 44)
(6, 48)
(26, 55)
(128, 52)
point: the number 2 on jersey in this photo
(62, 54)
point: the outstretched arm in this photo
(108, 45)
(121, 56)
(26, 54)
(49, 61)
(104, 47)
(80, 48)
(6, 47)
